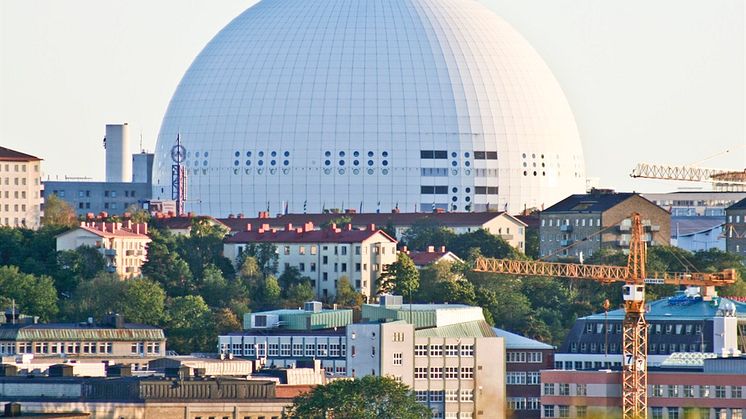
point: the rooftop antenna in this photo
(142, 150)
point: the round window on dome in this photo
(328, 153)
(341, 154)
(356, 162)
(261, 163)
(385, 162)
(273, 162)
(341, 162)
(385, 154)
(327, 162)
(236, 163)
(356, 153)
(248, 154)
(285, 163)
(274, 154)
(261, 154)
(370, 162)
(286, 153)
(248, 162)
(370, 154)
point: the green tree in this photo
(266, 257)
(339, 221)
(488, 244)
(371, 397)
(73, 266)
(346, 294)
(35, 296)
(190, 326)
(204, 246)
(401, 277)
(215, 289)
(143, 301)
(137, 214)
(165, 265)
(424, 233)
(225, 322)
(266, 294)
(58, 213)
(298, 294)
(94, 298)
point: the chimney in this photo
(240, 215)
(248, 227)
(372, 227)
(348, 227)
(395, 211)
(442, 249)
(333, 227)
(308, 226)
(288, 227)
(231, 216)
(405, 250)
(128, 224)
(265, 227)
(430, 249)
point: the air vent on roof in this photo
(264, 321)
(388, 300)
(312, 306)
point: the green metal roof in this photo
(678, 308)
(472, 329)
(72, 332)
(307, 320)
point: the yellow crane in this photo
(634, 276)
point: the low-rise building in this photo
(698, 233)
(581, 225)
(123, 245)
(695, 203)
(524, 360)
(686, 322)
(20, 189)
(735, 228)
(431, 255)
(323, 255)
(33, 347)
(502, 224)
(712, 388)
(447, 352)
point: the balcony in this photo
(566, 242)
(566, 227)
(506, 237)
(110, 252)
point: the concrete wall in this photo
(94, 197)
(118, 163)
(20, 193)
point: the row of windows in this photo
(524, 403)
(579, 365)
(522, 378)
(563, 411)
(523, 357)
(701, 391)
(18, 181)
(332, 350)
(15, 207)
(579, 222)
(21, 167)
(434, 190)
(452, 415)
(438, 373)
(563, 389)
(736, 219)
(653, 348)
(245, 417)
(486, 190)
(338, 250)
(75, 347)
(433, 154)
(485, 155)
(656, 328)
(439, 396)
(440, 350)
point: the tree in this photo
(424, 233)
(401, 277)
(73, 266)
(371, 397)
(190, 325)
(165, 265)
(204, 246)
(339, 221)
(346, 294)
(298, 294)
(265, 255)
(35, 296)
(58, 213)
(215, 289)
(137, 214)
(267, 293)
(143, 301)
(225, 322)
(488, 244)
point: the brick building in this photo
(524, 359)
(600, 219)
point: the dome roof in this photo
(369, 104)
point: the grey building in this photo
(95, 197)
(583, 224)
(735, 228)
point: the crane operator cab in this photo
(633, 292)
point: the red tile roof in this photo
(426, 258)
(7, 154)
(181, 222)
(111, 230)
(448, 219)
(305, 235)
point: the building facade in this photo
(695, 203)
(325, 255)
(123, 245)
(735, 228)
(684, 323)
(524, 360)
(20, 189)
(698, 233)
(581, 225)
(501, 224)
(714, 390)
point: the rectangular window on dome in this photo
(426, 154)
(440, 154)
(479, 155)
(491, 155)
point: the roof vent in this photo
(389, 300)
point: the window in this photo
(436, 373)
(548, 389)
(516, 357)
(704, 391)
(398, 358)
(420, 350)
(285, 349)
(451, 373)
(302, 267)
(420, 373)
(673, 391)
(467, 395)
(314, 250)
(548, 410)
(535, 357)
(720, 392)
(421, 396)
(451, 395)
(581, 389)
(564, 411)
(324, 260)
(436, 350)
(657, 412)
(451, 350)
(437, 396)
(673, 413)
(533, 378)
(398, 337)
(736, 414)
(313, 267)
(297, 349)
(515, 378)
(467, 350)
(736, 392)
(517, 403)
(688, 391)
(581, 411)
(564, 389)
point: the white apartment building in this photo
(323, 255)
(20, 189)
(124, 246)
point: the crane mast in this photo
(634, 276)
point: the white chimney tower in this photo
(118, 158)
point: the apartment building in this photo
(581, 225)
(713, 388)
(524, 360)
(501, 224)
(123, 245)
(20, 189)
(735, 228)
(695, 203)
(323, 255)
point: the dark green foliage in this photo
(346, 294)
(77, 265)
(265, 255)
(427, 233)
(35, 296)
(401, 277)
(190, 325)
(370, 397)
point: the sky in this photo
(648, 81)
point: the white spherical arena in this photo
(371, 105)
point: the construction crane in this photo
(634, 276)
(721, 179)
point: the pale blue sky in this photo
(658, 81)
